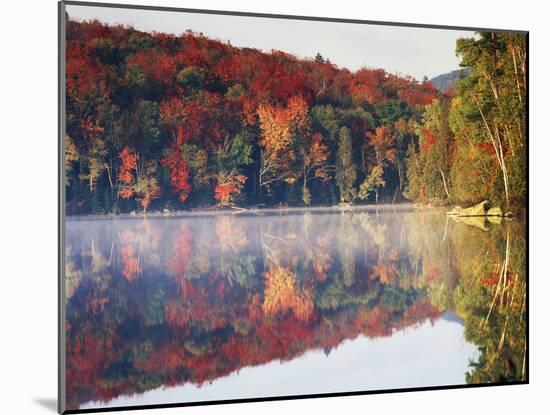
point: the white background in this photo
(28, 204)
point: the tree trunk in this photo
(304, 187)
(109, 176)
(400, 175)
(516, 72)
(497, 145)
(503, 167)
(444, 183)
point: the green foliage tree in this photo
(489, 111)
(372, 182)
(346, 172)
(428, 167)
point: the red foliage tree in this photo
(126, 172)
(382, 141)
(429, 139)
(156, 64)
(179, 172)
(228, 187)
(367, 85)
(417, 94)
(86, 78)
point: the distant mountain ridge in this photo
(448, 80)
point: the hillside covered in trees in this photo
(157, 121)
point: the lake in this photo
(231, 305)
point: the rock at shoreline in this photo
(481, 209)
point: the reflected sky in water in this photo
(429, 355)
(226, 306)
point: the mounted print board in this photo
(258, 207)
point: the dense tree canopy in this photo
(159, 121)
(472, 142)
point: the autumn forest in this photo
(248, 222)
(160, 122)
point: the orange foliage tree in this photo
(138, 181)
(228, 187)
(382, 143)
(279, 127)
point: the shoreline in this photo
(243, 211)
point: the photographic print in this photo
(268, 207)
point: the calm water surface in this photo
(226, 306)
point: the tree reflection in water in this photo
(168, 301)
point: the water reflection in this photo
(183, 301)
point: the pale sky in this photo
(402, 50)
